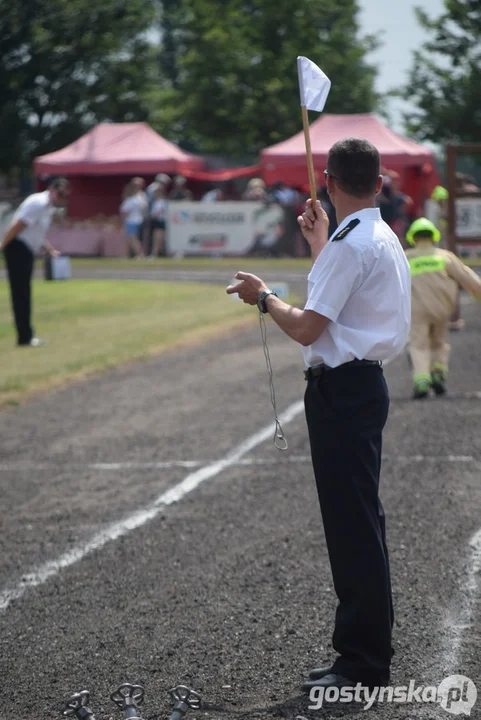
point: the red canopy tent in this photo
(286, 161)
(102, 161)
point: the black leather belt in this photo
(318, 370)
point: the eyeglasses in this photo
(328, 174)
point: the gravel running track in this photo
(227, 590)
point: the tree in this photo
(64, 66)
(444, 81)
(230, 81)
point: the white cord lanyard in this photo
(279, 438)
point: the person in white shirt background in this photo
(160, 180)
(357, 314)
(213, 195)
(133, 211)
(23, 239)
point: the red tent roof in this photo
(223, 174)
(118, 149)
(287, 160)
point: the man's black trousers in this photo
(346, 410)
(20, 259)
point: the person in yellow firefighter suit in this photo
(441, 197)
(435, 276)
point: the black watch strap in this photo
(261, 300)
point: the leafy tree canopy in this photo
(444, 83)
(214, 76)
(229, 78)
(65, 65)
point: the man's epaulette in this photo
(345, 231)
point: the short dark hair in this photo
(61, 184)
(355, 165)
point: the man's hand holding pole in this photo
(314, 224)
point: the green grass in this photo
(202, 263)
(92, 325)
(192, 263)
(256, 265)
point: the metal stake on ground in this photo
(78, 706)
(128, 698)
(184, 699)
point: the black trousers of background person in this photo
(20, 259)
(346, 410)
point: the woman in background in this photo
(133, 211)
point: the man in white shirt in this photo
(357, 315)
(24, 238)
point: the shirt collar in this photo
(367, 213)
(46, 194)
(371, 214)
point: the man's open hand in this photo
(248, 289)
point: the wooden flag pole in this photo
(310, 162)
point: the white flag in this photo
(314, 85)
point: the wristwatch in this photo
(261, 300)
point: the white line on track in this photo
(41, 574)
(243, 462)
(463, 620)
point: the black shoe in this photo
(419, 394)
(438, 382)
(318, 673)
(330, 680)
(439, 389)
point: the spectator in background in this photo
(384, 200)
(284, 195)
(133, 212)
(179, 191)
(161, 180)
(158, 217)
(255, 191)
(213, 195)
(402, 207)
(287, 198)
(395, 207)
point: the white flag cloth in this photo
(314, 85)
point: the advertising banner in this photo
(223, 228)
(468, 217)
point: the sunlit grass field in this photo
(91, 325)
(188, 263)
